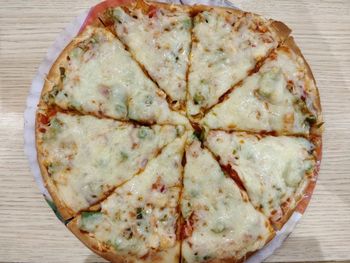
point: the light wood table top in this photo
(29, 230)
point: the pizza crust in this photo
(63, 210)
(137, 4)
(281, 29)
(169, 255)
(304, 191)
(315, 130)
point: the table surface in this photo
(29, 230)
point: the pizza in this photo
(170, 133)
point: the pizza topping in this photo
(271, 100)
(49, 97)
(161, 42)
(144, 132)
(139, 212)
(198, 98)
(123, 156)
(90, 220)
(225, 49)
(272, 169)
(218, 227)
(219, 224)
(55, 127)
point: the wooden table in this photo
(29, 230)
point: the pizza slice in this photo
(139, 222)
(95, 74)
(227, 44)
(274, 171)
(159, 37)
(281, 97)
(83, 158)
(221, 225)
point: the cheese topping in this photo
(270, 168)
(160, 41)
(225, 48)
(220, 221)
(87, 157)
(101, 77)
(273, 99)
(142, 215)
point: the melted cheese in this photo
(220, 222)
(226, 47)
(161, 43)
(272, 99)
(87, 156)
(271, 168)
(142, 215)
(101, 77)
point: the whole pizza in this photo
(171, 133)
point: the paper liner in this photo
(60, 43)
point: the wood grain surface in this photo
(29, 230)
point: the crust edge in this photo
(94, 245)
(290, 42)
(62, 208)
(305, 190)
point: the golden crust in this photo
(248, 255)
(169, 255)
(281, 29)
(63, 210)
(304, 191)
(317, 129)
(171, 7)
(221, 10)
